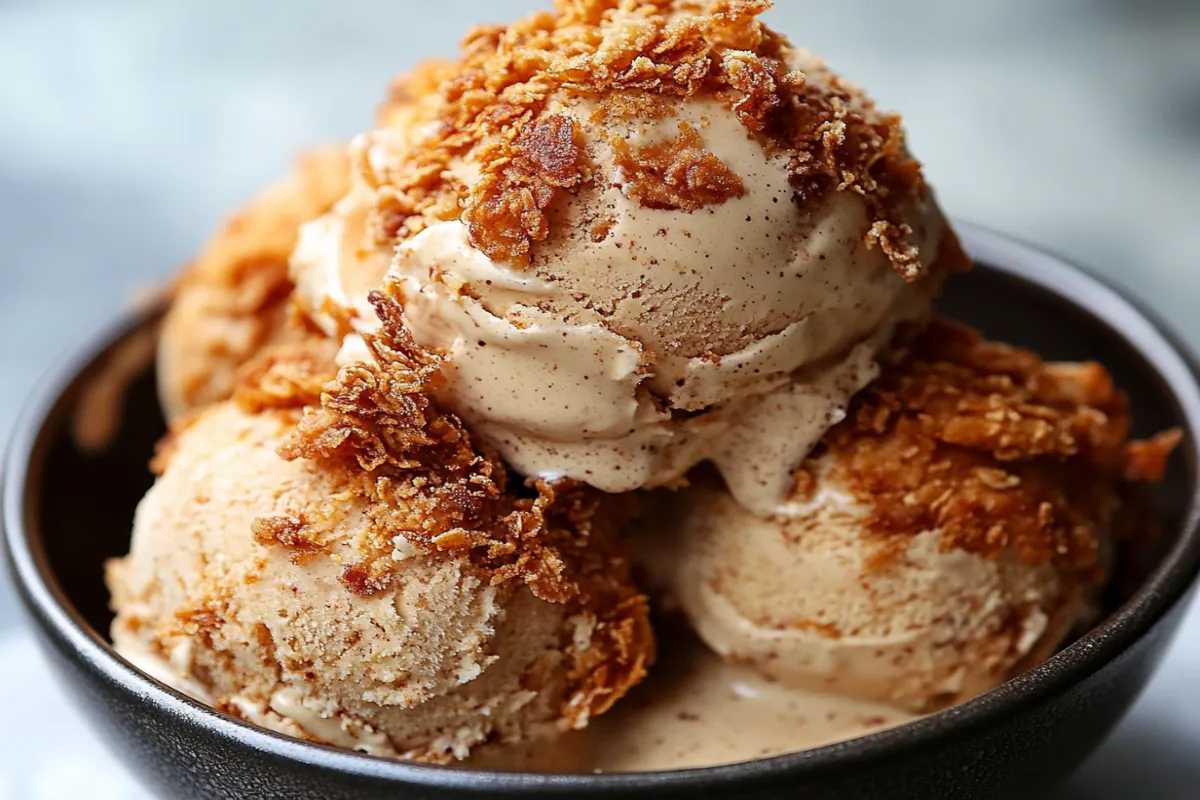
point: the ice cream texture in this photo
(618, 245)
(414, 611)
(644, 235)
(949, 534)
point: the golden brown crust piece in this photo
(678, 175)
(994, 447)
(428, 484)
(491, 105)
(233, 300)
(290, 375)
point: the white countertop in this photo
(127, 128)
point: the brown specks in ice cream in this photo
(427, 484)
(383, 587)
(643, 210)
(611, 243)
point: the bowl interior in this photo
(85, 501)
(80, 508)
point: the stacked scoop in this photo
(419, 391)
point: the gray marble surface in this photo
(128, 127)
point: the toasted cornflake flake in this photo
(424, 481)
(679, 174)
(995, 448)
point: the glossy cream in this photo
(335, 265)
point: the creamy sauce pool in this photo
(696, 710)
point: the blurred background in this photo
(128, 128)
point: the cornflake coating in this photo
(495, 110)
(382, 587)
(995, 448)
(427, 483)
(233, 300)
(630, 227)
(680, 175)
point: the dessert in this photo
(620, 253)
(414, 610)
(951, 532)
(646, 235)
(233, 299)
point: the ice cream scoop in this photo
(232, 301)
(271, 579)
(645, 237)
(952, 531)
(808, 602)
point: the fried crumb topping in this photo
(286, 376)
(287, 531)
(505, 209)
(1146, 461)
(679, 174)
(426, 483)
(494, 147)
(995, 448)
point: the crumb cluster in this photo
(995, 448)
(679, 174)
(430, 488)
(495, 150)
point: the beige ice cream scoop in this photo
(232, 300)
(291, 594)
(804, 601)
(644, 240)
(951, 532)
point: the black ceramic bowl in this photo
(66, 511)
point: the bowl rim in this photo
(1142, 330)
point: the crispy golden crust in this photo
(680, 174)
(286, 376)
(495, 108)
(429, 485)
(233, 300)
(995, 448)
(505, 209)
(1146, 461)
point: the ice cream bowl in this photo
(77, 467)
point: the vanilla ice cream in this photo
(630, 280)
(235, 592)
(950, 533)
(804, 601)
